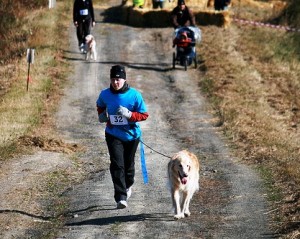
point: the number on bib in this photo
(118, 120)
(84, 12)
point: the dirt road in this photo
(230, 203)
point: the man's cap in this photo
(180, 2)
(117, 71)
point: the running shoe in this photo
(122, 204)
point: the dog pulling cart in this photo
(184, 43)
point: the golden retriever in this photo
(183, 175)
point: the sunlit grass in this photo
(255, 75)
(21, 110)
(267, 91)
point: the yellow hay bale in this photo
(135, 17)
(148, 4)
(199, 3)
(192, 4)
(169, 5)
(210, 3)
(124, 13)
(146, 17)
(278, 5)
(258, 4)
(158, 18)
(217, 18)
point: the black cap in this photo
(117, 71)
(181, 2)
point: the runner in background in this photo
(181, 15)
(221, 5)
(138, 3)
(158, 4)
(83, 18)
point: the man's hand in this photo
(103, 117)
(124, 111)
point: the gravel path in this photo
(230, 203)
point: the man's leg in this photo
(129, 155)
(116, 152)
(79, 32)
(87, 25)
(155, 4)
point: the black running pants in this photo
(122, 164)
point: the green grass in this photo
(273, 192)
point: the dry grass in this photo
(27, 122)
(253, 79)
(13, 16)
(23, 111)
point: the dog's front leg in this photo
(186, 204)
(95, 55)
(176, 203)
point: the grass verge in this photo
(252, 79)
(27, 116)
(22, 111)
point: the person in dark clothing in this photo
(158, 4)
(221, 5)
(121, 107)
(83, 18)
(182, 15)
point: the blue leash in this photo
(142, 153)
(143, 162)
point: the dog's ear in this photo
(175, 156)
(174, 162)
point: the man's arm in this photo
(92, 12)
(174, 19)
(136, 116)
(75, 11)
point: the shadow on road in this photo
(119, 219)
(45, 218)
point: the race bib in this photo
(118, 120)
(84, 12)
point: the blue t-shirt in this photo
(133, 101)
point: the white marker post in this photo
(30, 60)
(52, 3)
